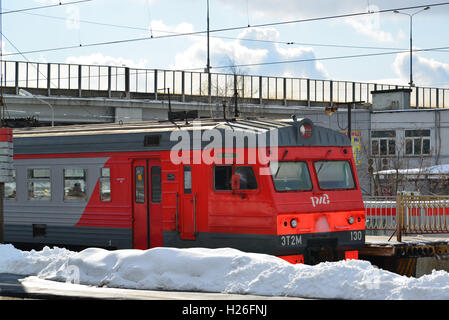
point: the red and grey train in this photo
(180, 184)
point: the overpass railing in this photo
(54, 78)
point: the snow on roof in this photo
(436, 171)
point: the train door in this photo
(188, 206)
(147, 197)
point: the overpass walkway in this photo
(84, 81)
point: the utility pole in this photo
(411, 39)
(209, 87)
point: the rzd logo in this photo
(319, 200)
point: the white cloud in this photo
(159, 28)
(101, 59)
(426, 72)
(275, 9)
(237, 52)
(293, 9)
(72, 12)
(73, 18)
(369, 25)
(223, 52)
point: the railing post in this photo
(48, 78)
(155, 84)
(331, 92)
(80, 76)
(127, 82)
(260, 90)
(308, 92)
(437, 102)
(416, 97)
(109, 82)
(285, 91)
(17, 77)
(399, 213)
(353, 92)
(183, 86)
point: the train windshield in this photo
(290, 176)
(334, 175)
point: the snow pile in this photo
(32, 262)
(221, 270)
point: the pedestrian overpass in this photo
(93, 93)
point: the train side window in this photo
(140, 184)
(156, 188)
(75, 184)
(247, 178)
(39, 184)
(223, 177)
(10, 188)
(187, 180)
(105, 184)
(335, 174)
(290, 176)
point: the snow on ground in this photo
(221, 270)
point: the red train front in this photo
(286, 188)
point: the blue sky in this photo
(92, 22)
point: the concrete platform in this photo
(31, 287)
(413, 256)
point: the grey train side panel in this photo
(58, 216)
(120, 238)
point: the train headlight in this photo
(293, 223)
(351, 220)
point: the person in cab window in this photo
(247, 178)
(76, 190)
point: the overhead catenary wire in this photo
(12, 44)
(332, 45)
(45, 7)
(223, 29)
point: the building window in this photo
(39, 184)
(105, 184)
(10, 188)
(417, 142)
(383, 143)
(75, 184)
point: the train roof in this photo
(164, 135)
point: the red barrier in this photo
(5, 135)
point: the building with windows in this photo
(402, 140)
